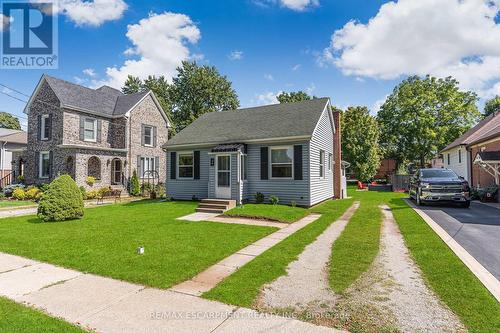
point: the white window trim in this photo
(143, 165)
(95, 130)
(43, 123)
(322, 176)
(177, 164)
(40, 164)
(330, 162)
(245, 167)
(150, 137)
(271, 162)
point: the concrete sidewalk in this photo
(106, 305)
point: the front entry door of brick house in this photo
(116, 175)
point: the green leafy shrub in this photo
(259, 197)
(135, 187)
(293, 203)
(90, 181)
(19, 194)
(102, 191)
(21, 179)
(31, 193)
(39, 196)
(83, 192)
(62, 201)
(274, 200)
(9, 189)
(160, 191)
(93, 194)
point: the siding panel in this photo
(181, 189)
(321, 188)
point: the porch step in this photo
(217, 206)
(210, 210)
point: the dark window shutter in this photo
(173, 165)
(157, 165)
(99, 129)
(264, 163)
(139, 169)
(196, 160)
(154, 136)
(297, 162)
(82, 127)
(142, 134)
(37, 164)
(51, 164)
(49, 125)
(39, 127)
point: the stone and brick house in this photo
(100, 132)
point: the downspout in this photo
(2, 157)
(471, 164)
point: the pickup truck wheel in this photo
(465, 204)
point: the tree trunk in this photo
(422, 161)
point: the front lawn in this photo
(242, 288)
(21, 319)
(15, 203)
(104, 242)
(280, 213)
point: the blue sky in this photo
(268, 46)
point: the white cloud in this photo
(235, 55)
(160, 43)
(269, 77)
(310, 88)
(266, 98)
(89, 13)
(447, 37)
(297, 5)
(89, 72)
(79, 80)
(376, 106)
(296, 67)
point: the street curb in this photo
(486, 278)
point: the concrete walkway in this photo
(213, 217)
(105, 305)
(210, 277)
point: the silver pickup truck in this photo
(439, 185)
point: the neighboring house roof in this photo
(256, 123)
(104, 101)
(487, 128)
(13, 136)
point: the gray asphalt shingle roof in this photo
(264, 122)
(105, 100)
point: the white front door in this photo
(223, 177)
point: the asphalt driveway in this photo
(476, 229)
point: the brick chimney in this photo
(337, 155)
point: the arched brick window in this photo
(94, 167)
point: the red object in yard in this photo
(361, 186)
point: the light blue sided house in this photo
(285, 150)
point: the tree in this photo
(293, 97)
(200, 89)
(135, 187)
(9, 121)
(132, 85)
(360, 135)
(62, 201)
(422, 116)
(492, 105)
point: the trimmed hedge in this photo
(62, 201)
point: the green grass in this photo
(21, 319)
(280, 213)
(445, 273)
(15, 203)
(357, 246)
(243, 287)
(104, 242)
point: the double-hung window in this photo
(148, 136)
(281, 162)
(148, 166)
(45, 127)
(90, 129)
(186, 166)
(322, 163)
(244, 167)
(44, 165)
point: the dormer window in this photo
(148, 136)
(45, 127)
(90, 129)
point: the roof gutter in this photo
(256, 141)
